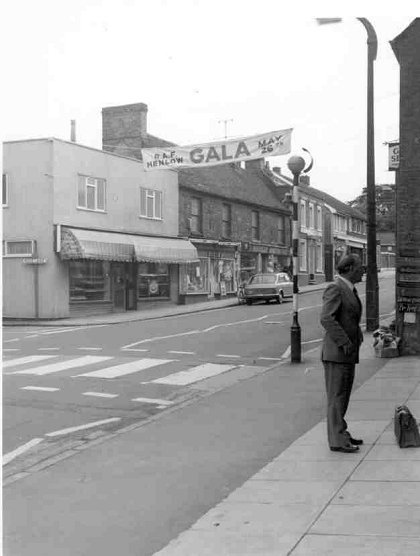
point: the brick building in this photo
(406, 47)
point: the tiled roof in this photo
(234, 183)
(284, 184)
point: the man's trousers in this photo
(338, 381)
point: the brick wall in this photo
(407, 50)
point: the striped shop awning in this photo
(111, 246)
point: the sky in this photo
(196, 63)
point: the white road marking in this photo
(180, 352)
(286, 353)
(194, 374)
(91, 349)
(24, 360)
(12, 340)
(82, 427)
(63, 365)
(270, 358)
(100, 394)
(161, 338)
(48, 349)
(11, 349)
(40, 388)
(312, 341)
(31, 336)
(134, 349)
(68, 329)
(127, 368)
(25, 447)
(229, 356)
(161, 403)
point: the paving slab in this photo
(387, 471)
(308, 470)
(385, 388)
(342, 545)
(256, 519)
(393, 521)
(393, 452)
(371, 410)
(369, 430)
(378, 493)
(416, 394)
(315, 493)
(203, 543)
(316, 452)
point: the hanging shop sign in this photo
(393, 156)
(274, 143)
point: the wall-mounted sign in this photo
(393, 156)
(34, 261)
(274, 143)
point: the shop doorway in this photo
(123, 286)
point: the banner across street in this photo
(274, 143)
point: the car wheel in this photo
(249, 301)
(280, 297)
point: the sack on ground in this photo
(406, 428)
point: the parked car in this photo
(268, 286)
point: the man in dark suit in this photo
(340, 317)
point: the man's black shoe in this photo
(356, 441)
(349, 449)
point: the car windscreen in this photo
(264, 279)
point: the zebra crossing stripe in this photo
(127, 368)
(63, 365)
(25, 360)
(194, 374)
(153, 401)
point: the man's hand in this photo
(348, 348)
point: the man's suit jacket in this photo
(340, 316)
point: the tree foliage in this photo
(385, 207)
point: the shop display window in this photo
(153, 281)
(90, 281)
(227, 274)
(194, 277)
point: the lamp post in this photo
(295, 164)
(372, 287)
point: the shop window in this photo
(255, 225)
(153, 281)
(196, 224)
(150, 203)
(226, 273)
(281, 238)
(302, 255)
(91, 193)
(194, 277)
(226, 220)
(5, 190)
(90, 280)
(18, 248)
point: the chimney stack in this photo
(124, 129)
(73, 131)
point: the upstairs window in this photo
(319, 218)
(311, 216)
(91, 193)
(226, 221)
(196, 219)
(302, 214)
(280, 230)
(150, 203)
(255, 223)
(5, 187)
(18, 248)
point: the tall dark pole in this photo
(372, 287)
(296, 164)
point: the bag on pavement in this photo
(406, 428)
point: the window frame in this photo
(255, 225)
(157, 203)
(196, 217)
(7, 255)
(319, 265)
(5, 189)
(311, 209)
(303, 261)
(281, 230)
(302, 214)
(319, 218)
(95, 186)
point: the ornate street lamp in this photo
(372, 287)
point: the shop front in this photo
(255, 258)
(214, 275)
(112, 272)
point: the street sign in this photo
(35, 261)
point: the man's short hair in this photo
(347, 262)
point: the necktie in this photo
(357, 297)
